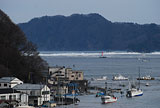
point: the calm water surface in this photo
(126, 64)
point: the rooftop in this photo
(7, 79)
(29, 87)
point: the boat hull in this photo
(108, 99)
(119, 78)
(134, 93)
(25, 107)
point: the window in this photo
(13, 97)
(45, 92)
(5, 85)
(50, 72)
(3, 97)
(33, 93)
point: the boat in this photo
(133, 91)
(102, 78)
(102, 56)
(108, 99)
(98, 94)
(119, 77)
(147, 84)
(26, 106)
(148, 77)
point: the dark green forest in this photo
(91, 32)
(18, 56)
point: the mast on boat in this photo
(139, 76)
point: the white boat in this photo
(134, 92)
(119, 77)
(25, 106)
(147, 84)
(108, 99)
(102, 78)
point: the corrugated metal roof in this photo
(29, 87)
(7, 79)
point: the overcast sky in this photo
(137, 11)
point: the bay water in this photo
(124, 63)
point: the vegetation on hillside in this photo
(18, 56)
(91, 32)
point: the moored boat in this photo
(102, 56)
(108, 99)
(134, 92)
(119, 77)
(98, 94)
(102, 78)
(148, 77)
(147, 84)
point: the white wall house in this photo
(9, 94)
(38, 94)
(9, 82)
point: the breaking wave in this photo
(92, 53)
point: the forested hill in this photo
(91, 32)
(18, 56)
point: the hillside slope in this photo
(80, 32)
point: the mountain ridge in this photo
(92, 32)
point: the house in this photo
(75, 75)
(12, 96)
(56, 70)
(38, 93)
(61, 77)
(64, 73)
(9, 82)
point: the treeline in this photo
(18, 56)
(91, 32)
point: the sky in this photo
(136, 11)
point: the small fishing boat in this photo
(147, 84)
(98, 94)
(102, 78)
(108, 99)
(102, 56)
(148, 77)
(133, 91)
(119, 78)
(25, 106)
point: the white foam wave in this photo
(87, 54)
(71, 54)
(156, 53)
